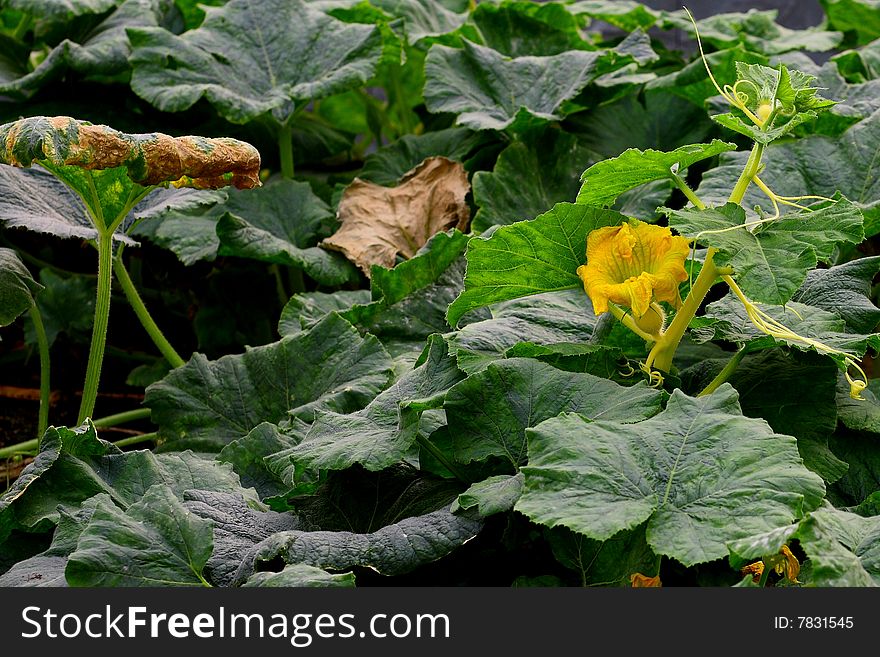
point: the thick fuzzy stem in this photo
(43, 346)
(99, 330)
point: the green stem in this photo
(122, 418)
(99, 330)
(43, 346)
(724, 374)
(137, 304)
(285, 149)
(627, 320)
(403, 114)
(604, 324)
(26, 447)
(295, 280)
(685, 188)
(136, 440)
(441, 457)
(748, 172)
(661, 355)
(283, 296)
(24, 24)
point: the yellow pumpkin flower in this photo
(633, 265)
(640, 581)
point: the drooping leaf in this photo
(519, 29)
(101, 50)
(236, 529)
(603, 182)
(756, 29)
(72, 148)
(423, 19)
(282, 223)
(493, 495)
(489, 91)
(74, 464)
(859, 16)
(860, 64)
(488, 413)
(17, 287)
(47, 568)
(392, 550)
(771, 263)
(529, 257)
(378, 223)
(843, 548)
(156, 542)
(210, 403)
(625, 14)
(699, 473)
(61, 10)
(302, 576)
(530, 176)
(248, 59)
(380, 434)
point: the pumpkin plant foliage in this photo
(539, 302)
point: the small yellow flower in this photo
(633, 264)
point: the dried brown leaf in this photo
(150, 159)
(380, 222)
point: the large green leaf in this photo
(844, 290)
(101, 50)
(813, 165)
(61, 10)
(553, 324)
(393, 550)
(488, 413)
(210, 403)
(17, 287)
(237, 528)
(860, 451)
(156, 542)
(530, 176)
(519, 29)
(282, 223)
(422, 18)
(700, 473)
(36, 200)
(656, 120)
(250, 58)
(603, 182)
(756, 29)
(302, 576)
(47, 568)
(625, 14)
(843, 548)
(380, 434)
(490, 91)
(529, 257)
(859, 16)
(727, 320)
(771, 262)
(74, 464)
